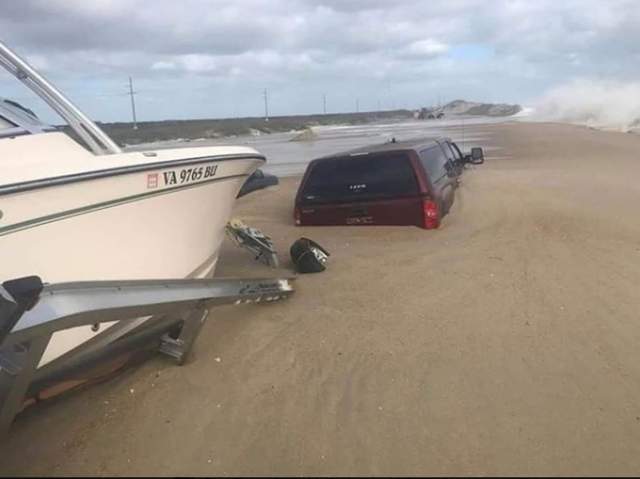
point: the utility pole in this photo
(463, 134)
(266, 105)
(324, 103)
(357, 105)
(133, 104)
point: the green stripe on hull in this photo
(104, 205)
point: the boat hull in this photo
(158, 220)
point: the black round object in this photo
(308, 256)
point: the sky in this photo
(213, 59)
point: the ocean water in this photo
(288, 158)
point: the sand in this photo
(504, 343)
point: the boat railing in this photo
(97, 140)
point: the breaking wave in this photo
(601, 104)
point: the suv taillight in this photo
(296, 215)
(430, 214)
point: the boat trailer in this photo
(168, 314)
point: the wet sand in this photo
(504, 343)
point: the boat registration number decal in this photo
(181, 176)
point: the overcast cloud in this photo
(199, 58)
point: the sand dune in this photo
(504, 343)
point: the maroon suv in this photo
(397, 183)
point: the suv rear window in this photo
(360, 177)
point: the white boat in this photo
(76, 210)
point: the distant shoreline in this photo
(166, 130)
(211, 129)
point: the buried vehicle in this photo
(411, 182)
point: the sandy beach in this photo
(504, 343)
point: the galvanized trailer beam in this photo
(67, 305)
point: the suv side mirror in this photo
(476, 157)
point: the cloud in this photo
(199, 63)
(426, 48)
(164, 65)
(354, 47)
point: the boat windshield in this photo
(16, 119)
(4, 124)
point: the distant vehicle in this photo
(426, 114)
(397, 183)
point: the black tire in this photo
(303, 257)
